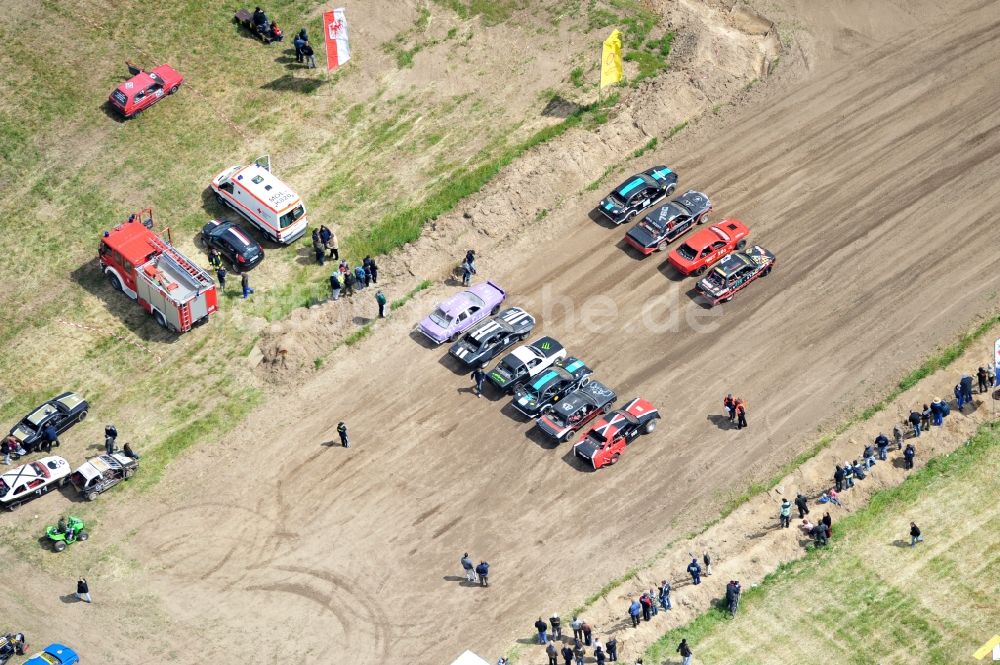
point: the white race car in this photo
(101, 473)
(524, 363)
(32, 480)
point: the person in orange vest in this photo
(741, 413)
(729, 404)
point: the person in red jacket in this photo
(741, 413)
(729, 404)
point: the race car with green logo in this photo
(525, 362)
(638, 193)
(539, 395)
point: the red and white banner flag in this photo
(338, 50)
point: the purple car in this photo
(461, 311)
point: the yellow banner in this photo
(611, 60)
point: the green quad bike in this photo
(63, 538)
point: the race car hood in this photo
(433, 331)
(526, 401)
(501, 377)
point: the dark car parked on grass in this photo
(236, 246)
(62, 412)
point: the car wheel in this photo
(454, 337)
(80, 418)
(614, 459)
(670, 190)
(221, 199)
(160, 318)
(703, 218)
(90, 496)
(128, 474)
(172, 90)
(59, 545)
(13, 506)
(741, 244)
(584, 381)
(607, 409)
(700, 271)
(767, 271)
(568, 436)
(116, 283)
(650, 426)
(495, 310)
(83, 535)
(662, 247)
(62, 483)
(547, 409)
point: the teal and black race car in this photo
(638, 193)
(538, 396)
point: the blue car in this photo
(54, 654)
(638, 193)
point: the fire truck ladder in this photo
(167, 250)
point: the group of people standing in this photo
(575, 651)
(304, 52)
(478, 574)
(736, 410)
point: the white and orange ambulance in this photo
(266, 202)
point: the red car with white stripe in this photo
(608, 438)
(709, 246)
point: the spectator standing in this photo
(334, 246)
(908, 454)
(646, 603)
(802, 503)
(483, 570)
(915, 421)
(5, 451)
(371, 269)
(729, 404)
(982, 376)
(587, 633)
(965, 383)
(220, 274)
(652, 602)
(785, 514)
(380, 299)
(309, 55)
(634, 610)
(848, 475)
(318, 249)
(298, 43)
(245, 283)
(897, 436)
(342, 431)
(915, 536)
(707, 560)
(49, 438)
(552, 653)
(868, 456)
(541, 627)
(478, 377)
(567, 654)
(925, 417)
(937, 413)
(959, 396)
(348, 283)
(665, 595)
(612, 647)
(110, 436)
(359, 277)
(599, 655)
(695, 570)
(214, 258)
(577, 627)
(83, 590)
(470, 258)
(685, 651)
(469, 569)
(467, 273)
(556, 623)
(578, 653)
(882, 443)
(335, 285)
(324, 237)
(838, 478)
(741, 413)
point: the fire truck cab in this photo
(147, 268)
(264, 200)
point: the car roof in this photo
(633, 183)
(732, 263)
(548, 346)
(460, 302)
(28, 472)
(140, 81)
(488, 327)
(266, 187)
(658, 173)
(692, 200)
(662, 215)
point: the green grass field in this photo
(869, 598)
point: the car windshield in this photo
(686, 252)
(50, 659)
(439, 317)
(40, 414)
(291, 217)
(614, 198)
(716, 279)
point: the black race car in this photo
(637, 193)
(570, 414)
(668, 222)
(552, 385)
(236, 246)
(734, 272)
(62, 412)
(525, 362)
(488, 338)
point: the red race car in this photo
(144, 89)
(708, 246)
(606, 440)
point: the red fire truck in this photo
(149, 269)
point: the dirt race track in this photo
(875, 178)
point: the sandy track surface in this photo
(875, 182)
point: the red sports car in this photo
(145, 89)
(708, 246)
(606, 440)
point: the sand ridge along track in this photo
(875, 182)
